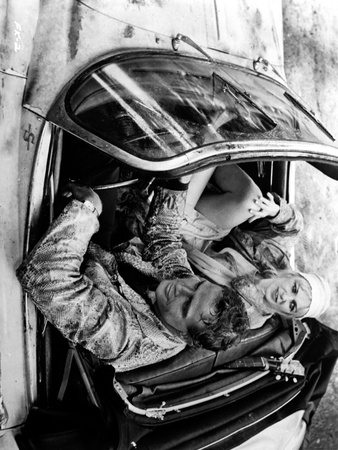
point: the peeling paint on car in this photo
(138, 2)
(74, 29)
(258, 19)
(129, 31)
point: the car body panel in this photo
(67, 50)
(62, 51)
(17, 317)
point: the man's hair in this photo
(231, 321)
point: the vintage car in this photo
(114, 94)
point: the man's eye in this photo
(210, 318)
(293, 306)
(186, 306)
(206, 322)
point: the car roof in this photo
(85, 33)
(249, 37)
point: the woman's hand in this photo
(264, 207)
(83, 193)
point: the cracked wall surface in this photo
(311, 67)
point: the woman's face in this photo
(286, 295)
(186, 303)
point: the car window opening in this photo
(159, 107)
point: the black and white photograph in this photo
(169, 225)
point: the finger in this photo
(258, 214)
(252, 219)
(260, 204)
(264, 201)
(255, 208)
(258, 201)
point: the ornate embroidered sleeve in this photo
(162, 234)
(51, 275)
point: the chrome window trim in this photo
(204, 156)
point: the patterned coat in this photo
(77, 286)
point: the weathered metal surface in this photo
(16, 320)
(17, 337)
(18, 19)
(247, 29)
(82, 32)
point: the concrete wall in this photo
(311, 67)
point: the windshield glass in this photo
(156, 107)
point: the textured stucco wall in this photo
(311, 67)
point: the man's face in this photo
(288, 296)
(187, 302)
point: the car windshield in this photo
(156, 107)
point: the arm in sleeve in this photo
(68, 299)
(283, 229)
(162, 234)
